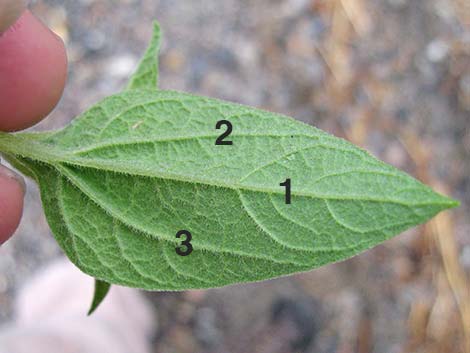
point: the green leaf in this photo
(146, 75)
(127, 176)
(101, 290)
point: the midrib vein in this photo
(47, 155)
(111, 167)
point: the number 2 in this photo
(220, 139)
(187, 243)
(287, 184)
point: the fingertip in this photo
(11, 203)
(33, 68)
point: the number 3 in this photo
(187, 243)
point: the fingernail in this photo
(10, 12)
(10, 174)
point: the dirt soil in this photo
(392, 76)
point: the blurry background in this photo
(392, 76)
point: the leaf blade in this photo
(239, 220)
(121, 181)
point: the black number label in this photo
(288, 192)
(188, 248)
(220, 139)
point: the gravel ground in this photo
(390, 75)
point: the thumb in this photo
(33, 68)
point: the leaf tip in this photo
(445, 202)
(146, 74)
(452, 203)
(156, 28)
(101, 290)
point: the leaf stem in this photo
(25, 146)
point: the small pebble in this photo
(94, 41)
(437, 51)
(122, 66)
(206, 329)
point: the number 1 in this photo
(287, 184)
